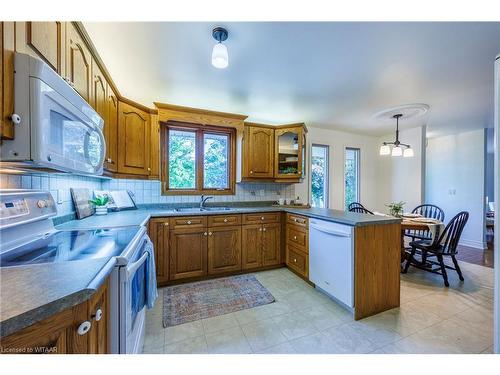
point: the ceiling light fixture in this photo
(220, 58)
(397, 150)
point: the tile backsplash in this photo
(145, 191)
(150, 192)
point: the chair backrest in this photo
(430, 211)
(359, 208)
(451, 235)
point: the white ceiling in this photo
(329, 75)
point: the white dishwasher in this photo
(331, 259)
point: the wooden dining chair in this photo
(446, 245)
(359, 208)
(426, 210)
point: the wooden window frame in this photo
(199, 130)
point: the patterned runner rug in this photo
(205, 299)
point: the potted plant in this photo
(100, 204)
(396, 208)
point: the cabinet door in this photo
(258, 152)
(111, 132)
(160, 235)
(289, 152)
(134, 133)
(7, 44)
(271, 234)
(224, 250)
(55, 335)
(251, 251)
(188, 253)
(78, 63)
(98, 94)
(99, 318)
(43, 40)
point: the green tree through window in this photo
(351, 176)
(319, 176)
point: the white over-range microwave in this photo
(54, 127)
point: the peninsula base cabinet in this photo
(64, 332)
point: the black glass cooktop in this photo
(65, 246)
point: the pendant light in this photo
(397, 150)
(220, 58)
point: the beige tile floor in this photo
(431, 319)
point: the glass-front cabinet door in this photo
(289, 155)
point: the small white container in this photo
(101, 210)
(281, 201)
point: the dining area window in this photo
(319, 175)
(351, 176)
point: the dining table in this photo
(409, 224)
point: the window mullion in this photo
(200, 159)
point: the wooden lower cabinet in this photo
(261, 245)
(58, 334)
(297, 260)
(251, 246)
(271, 234)
(224, 249)
(188, 253)
(159, 234)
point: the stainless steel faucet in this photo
(203, 200)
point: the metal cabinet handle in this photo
(262, 218)
(205, 233)
(295, 260)
(149, 169)
(98, 315)
(294, 237)
(84, 328)
(264, 229)
(189, 222)
(209, 233)
(251, 172)
(260, 229)
(166, 224)
(225, 220)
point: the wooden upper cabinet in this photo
(7, 44)
(44, 40)
(111, 132)
(78, 63)
(224, 249)
(188, 253)
(154, 172)
(258, 151)
(289, 151)
(160, 235)
(271, 249)
(134, 134)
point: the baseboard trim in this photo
(473, 243)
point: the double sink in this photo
(198, 209)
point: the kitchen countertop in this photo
(142, 215)
(33, 293)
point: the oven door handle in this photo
(134, 266)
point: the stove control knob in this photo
(42, 203)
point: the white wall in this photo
(455, 180)
(337, 142)
(402, 179)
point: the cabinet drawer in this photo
(297, 220)
(188, 222)
(297, 260)
(297, 236)
(263, 217)
(224, 220)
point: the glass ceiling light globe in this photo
(397, 151)
(220, 58)
(408, 153)
(385, 150)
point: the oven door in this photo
(133, 296)
(64, 137)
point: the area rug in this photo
(205, 299)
